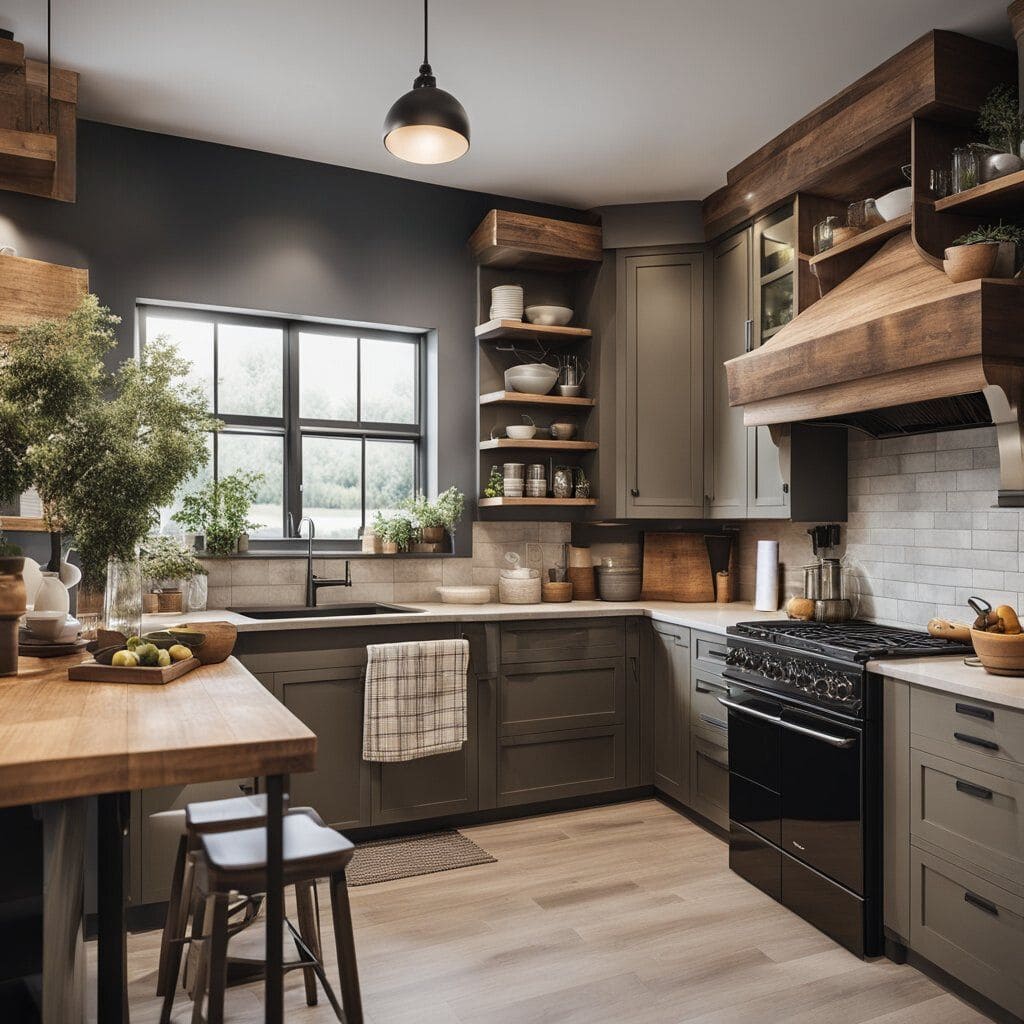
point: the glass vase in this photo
(122, 600)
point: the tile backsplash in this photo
(923, 529)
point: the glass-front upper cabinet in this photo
(775, 263)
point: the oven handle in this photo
(825, 737)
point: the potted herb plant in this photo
(104, 450)
(450, 506)
(166, 566)
(220, 511)
(999, 117)
(396, 532)
(987, 251)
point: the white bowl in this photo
(45, 625)
(896, 203)
(531, 378)
(522, 432)
(548, 316)
(465, 595)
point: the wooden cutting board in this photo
(677, 568)
(93, 672)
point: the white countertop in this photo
(714, 618)
(951, 675)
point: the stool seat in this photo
(223, 815)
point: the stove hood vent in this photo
(895, 349)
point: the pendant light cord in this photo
(425, 23)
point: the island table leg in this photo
(274, 1009)
(112, 972)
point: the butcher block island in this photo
(62, 741)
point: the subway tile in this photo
(281, 571)
(994, 597)
(894, 536)
(457, 572)
(977, 480)
(218, 571)
(364, 570)
(971, 500)
(936, 593)
(995, 540)
(954, 521)
(976, 437)
(933, 501)
(250, 572)
(873, 502)
(875, 467)
(218, 597)
(288, 595)
(945, 575)
(418, 570)
(931, 482)
(895, 484)
(1004, 519)
(907, 445)
(358, 593)
(899, 589)
(248, 596)
(417, 592)
(943, 538)
(989, 578)
(919, 462)
(985, 458)
(915, 613)
(959, 458)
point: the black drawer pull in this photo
(981, 904)
(975, 741)
(715, 723)
(717, 653)
(985, 714)
(972, 790)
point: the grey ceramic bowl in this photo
(619, 584)
(531, 378)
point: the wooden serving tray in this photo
(93, 672)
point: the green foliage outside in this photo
(103, 450)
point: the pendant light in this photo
(426, 125)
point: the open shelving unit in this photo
(1001, 196)
(549, 259)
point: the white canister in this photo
(766, 588)
(52, 595)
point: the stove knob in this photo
(821, 685)
(844, 689)
(772, 668)
(753, 661)
(735, 656)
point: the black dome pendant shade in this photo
(427, 125)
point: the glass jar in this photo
(964, 169)
(562, 482)
(122, 600)
(823, 234)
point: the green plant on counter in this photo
(165, 561)
(450, 506)
(424, 512)
(495, 486)
(220, 511)
(444, 513)
(992, 233)
(999, 116)
(104, 450)
(398, 529)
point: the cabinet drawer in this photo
(562, 695)
(709, 780)
(968, 927)
(562, 641)
(968, 812)
(709, 651)
(555, 765)
(970, 726)
(706, 714)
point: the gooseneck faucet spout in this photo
(314, 582)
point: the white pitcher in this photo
(52, 595)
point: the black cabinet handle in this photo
(634, 492)
(972, 790)
(980, 903)
(975, 741)
(985, 714)
(715, 723)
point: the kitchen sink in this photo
(324, 611)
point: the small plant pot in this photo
(243, 543)
(371, 543)
(970, 262)
(150, 603)
(432, 535)
(12, 585)
(170, 601)
(388, 547)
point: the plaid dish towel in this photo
(415, 699)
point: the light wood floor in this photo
(626, 913)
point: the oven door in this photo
(755, 800)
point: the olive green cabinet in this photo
(670, 685)
(661, 331)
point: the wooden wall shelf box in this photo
(1002, 197)
(27, 154)
(537, 502)
(520, 398)
(520, 241)
(515, 330)
(31, 290)
(550, 446)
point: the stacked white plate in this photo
(507, 302)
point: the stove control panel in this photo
(809, 677)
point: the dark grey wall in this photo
(160, 217)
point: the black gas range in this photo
(805, 795)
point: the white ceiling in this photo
(581, 102)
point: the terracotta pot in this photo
(388, 547)
(970, 262)
(433, 535)
(12, 586)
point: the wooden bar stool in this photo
(197, 819)
(235, 862)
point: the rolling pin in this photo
(958, 631)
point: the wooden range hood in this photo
(892, 346)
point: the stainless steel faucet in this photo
(314, 582)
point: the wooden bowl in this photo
(556, 593)
(970, 262)
(840, 235)
(219, 640)
(1001, 654)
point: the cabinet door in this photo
(330, 702)
(709, 780)
(732, 331)
(671, 686)
(664, 461)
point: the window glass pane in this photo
(204, 476)
(327, 377)
(390, 474)
(332, 485)
(257, 453)
(250, 370)
(194, 342)
(388, 377)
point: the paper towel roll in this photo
(766, 589)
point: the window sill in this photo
(300, 553)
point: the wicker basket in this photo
(514, 588)
(556, 593)
(170, 601)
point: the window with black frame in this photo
(331, 415)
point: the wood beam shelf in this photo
(1003, 196)
(517, 330)
(518, 241)
(27, 154)
(537, 502)
(550, 446)
(521, 398)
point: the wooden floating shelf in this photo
(536, 502)
(1004, 195)
(552, 446)
(520, 398)
(495, 330)
(27, 154)
(518, 241)
(873, 236)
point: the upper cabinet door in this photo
(731, 334)
(664, 326)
